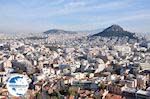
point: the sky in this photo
(40, 15)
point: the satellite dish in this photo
(100, 61)
(113, 77)
(100, 68)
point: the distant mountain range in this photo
(59, 31)
(112, 31)
(115, 31)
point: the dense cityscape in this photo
(74, 49)
(75, 66)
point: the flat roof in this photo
(130, 90)
(142, 92)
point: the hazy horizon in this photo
(77, 15)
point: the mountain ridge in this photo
(59, 31)
(115, 31)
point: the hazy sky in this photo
(41, 15)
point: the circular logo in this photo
(17, 85)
